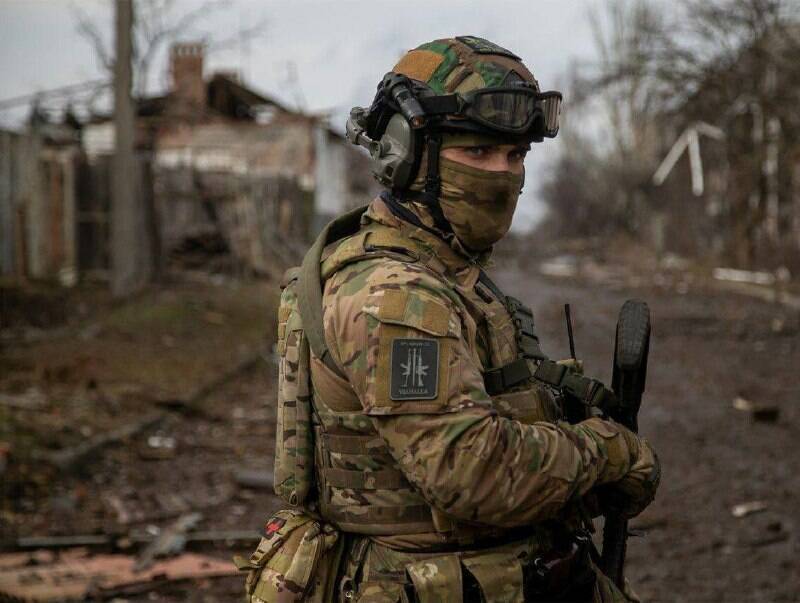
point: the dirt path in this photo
(707, 349)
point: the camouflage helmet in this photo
(476, 85)
(450, 85)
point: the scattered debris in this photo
(69, 458)
(75, 575)
(259, 479)
(90, 332)
(172, 503)
(33, 399)
(42, 546)
(230, 536)
(5, 450)
(748, 508)
(63, 542)
(768, 539)
(774, 292)
(671, 261)
(735, 275)
(562, 266)
(204, 390)
(774, 532)
(764, 413)
(168, 543)
(214, 318)
(158, 447)
(12, 560)
(119, 508)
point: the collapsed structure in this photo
(222, 168)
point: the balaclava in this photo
(478, 204)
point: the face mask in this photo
(479, 204)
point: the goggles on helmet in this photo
(516, 110)
(512, 110)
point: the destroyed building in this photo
(226, 170)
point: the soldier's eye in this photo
(476, 151)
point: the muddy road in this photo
(708, 348)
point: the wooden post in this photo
(130, 269)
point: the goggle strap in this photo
(440, 105)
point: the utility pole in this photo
(130, 268)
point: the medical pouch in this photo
(295, 561)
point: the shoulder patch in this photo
(482, 46)
(414, 369)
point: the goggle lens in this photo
(515, 110)
(505, 109)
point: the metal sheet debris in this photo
(748, 508)
(764, 413)
(75, 575)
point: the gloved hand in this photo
(573, 364)
(631, 474)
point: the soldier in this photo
(439, 446)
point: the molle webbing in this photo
(387, 479)
(382, 521)
(412, 517)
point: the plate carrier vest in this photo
(329, 459)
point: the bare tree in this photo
(730, 63)
(734, 64)
(597, 187)
(158, 24)
(623, 79)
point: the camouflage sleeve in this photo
(399, 338)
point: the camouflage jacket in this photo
(412, 339)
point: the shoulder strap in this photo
(309, 291)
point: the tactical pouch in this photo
(294, 442)
(295, 561)
(460, 578)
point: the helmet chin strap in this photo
(433, 184)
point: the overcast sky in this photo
(339, 49)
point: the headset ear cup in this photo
(395, 166)
(418, 142)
